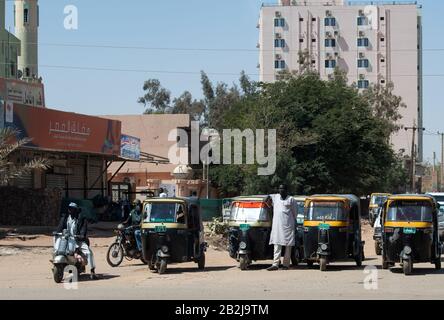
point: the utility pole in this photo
(413, 155)
(442, 159)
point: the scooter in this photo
(66, 256)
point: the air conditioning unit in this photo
(336, 33)
(331, 76)
(278, 57)
(361, 55)
(328, 34)
(361, 33)
(278, 14)
(329, 56)
(278, 35)
(337, 54)
(328, 13)
(362, 77)
(361, 13)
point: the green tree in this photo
(156, 99)
(9, 144)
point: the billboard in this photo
(64, 131)
(130, 147)
(21, 92)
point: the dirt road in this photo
(25, 274)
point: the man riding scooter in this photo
(77, 226)
(134, 219)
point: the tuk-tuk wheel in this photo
(201, 262)
(438, 264)
(243, 263)
(385, 264)
(162, 266)
(407, 266)
(378, 249)
(295, 257)
(359, 259)
(323, 264)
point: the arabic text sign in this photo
(17, 91)
(130, 147)
(66, 131)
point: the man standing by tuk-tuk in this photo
(283, 227)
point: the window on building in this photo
(363, 42)
(279, 22)
(330, 43)
(12, 69)
(279, 64)
(362, 21)
(26, 15)
(330, 22)
(382, 60)
(363, 84)
(27, 72)
(301, 40)
(363, 63)
(330, 63)
(383, 81)
(382, 18)
(313, 40)
(279, 43)
(301, 19)
(382, 39)
(313, 19)
(313, 61)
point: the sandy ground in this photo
(25, 273)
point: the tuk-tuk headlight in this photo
(407, 250)
(164, 249)
(242, 245)
(324, 247)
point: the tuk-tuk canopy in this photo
(328, 207)
(411, 207)
(250, 209)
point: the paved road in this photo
(25, 274)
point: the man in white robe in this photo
(283, 228)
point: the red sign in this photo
(66, 131)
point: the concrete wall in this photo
(21, 207)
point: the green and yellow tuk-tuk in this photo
(410, 232)
(332, 230)
(172, 232)
(249, 230)
(377, 200)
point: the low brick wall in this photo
(23, 207)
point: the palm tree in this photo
(8, 145)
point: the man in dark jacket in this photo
(77, 226)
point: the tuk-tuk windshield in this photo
(326, 211)
(164, 212)
(420, 211)
(249, 211)
(378, 200)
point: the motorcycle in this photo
(66, 254)
(125, 246)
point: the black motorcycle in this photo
(125, 246)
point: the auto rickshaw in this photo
(172, 232)
(250, 229)
(376, 202)
(410, 232)
(332, 230)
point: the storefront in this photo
(80, 148)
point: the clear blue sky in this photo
(206, 24)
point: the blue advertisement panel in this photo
(130, 147)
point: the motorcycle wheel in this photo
(323, 264)
(201, 262)
(438, 264)
(57, 273)
(243, 262)
(114, 256)
(407, 267)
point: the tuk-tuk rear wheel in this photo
(438, 264)
(378, 249)
(323, 264)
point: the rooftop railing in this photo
(338, 3)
